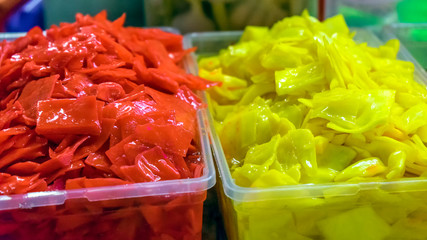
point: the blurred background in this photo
(208, 15)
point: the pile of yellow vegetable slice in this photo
(302, 102)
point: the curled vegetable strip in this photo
(302, 102)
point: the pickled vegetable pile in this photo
(93, 103)
(302, 102)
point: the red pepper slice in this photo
(158, 79)
(68, 116)
(75, 183)
(32, 69)
(23, 168)
(94, 143)
(79, 85)
(99, 161)
(138, 173)
(29, 152)
(185, 113)
(181, 166)
(59, 160)
(6, 133)
(12, 112)
(54, 177)
(23, 140)
(116, 153)
(171, 138)
(159, 163)
(172, 42)
(110, 91)
(132, 149)
(114, 75)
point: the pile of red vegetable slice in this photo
(93, 103)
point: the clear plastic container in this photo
(209, 15)
(333, 211)
(413, 37)
(169, 209)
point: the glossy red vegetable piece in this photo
(12, 111)
(171, 41)
(172, 138)
(114, 75)
(110, 91)
(59, 160)
(35, 91)
(138, 173)
(99, 161)
(79, 85)
(184, 108)
(68, 116)
(181, 166)
(158, 79)
(22, 140)
(30, 152)
(132, 149)
(94, 143)
(116, 153)
(72, 171)
(7, 132)
(23, 168)
(75, 183)
(158, 162)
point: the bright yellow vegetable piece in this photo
(364, 168)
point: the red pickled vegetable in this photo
(99, 161)
(13, 131)
(23, 168)
(110, 91)
(94, 143)
(29, 152)
(92, 104)
(34, 91)
(172, 138)
(68, 116)
(95, 99)
(156, 160)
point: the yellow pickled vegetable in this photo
(302, 102)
